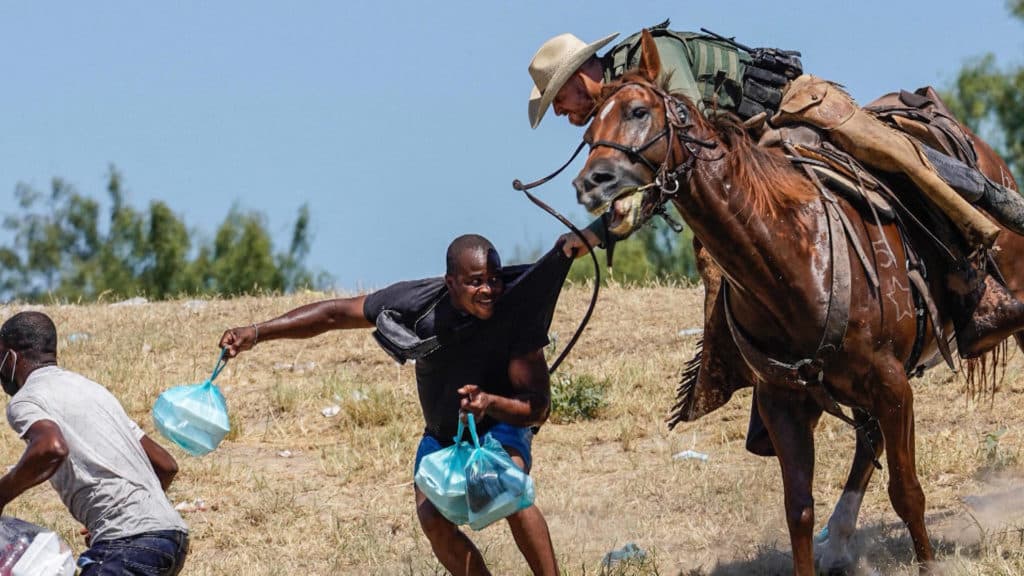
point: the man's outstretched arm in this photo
(303, 322)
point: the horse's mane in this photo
(764, 175)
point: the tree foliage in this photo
(63, 249)
(655, 253)
(990, 99)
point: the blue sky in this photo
(401, 124)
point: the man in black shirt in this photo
(475, 352)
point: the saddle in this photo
(924, 115)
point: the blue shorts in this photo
(509, 436)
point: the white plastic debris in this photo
(691, 331)
(331, 411)
(359, 396)
(195, 305)
(691, 455)
(197, 505)
(297, 367)
(137, 301)
(78, 337)
(285, 453)
(628, 552)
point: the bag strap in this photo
(472, 429)
(221, 363)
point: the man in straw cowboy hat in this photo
(768, 86)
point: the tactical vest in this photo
(726, 76)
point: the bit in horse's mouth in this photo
(623, 210)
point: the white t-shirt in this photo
(106, 481)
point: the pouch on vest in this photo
(399, 341)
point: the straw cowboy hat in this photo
(553, 64)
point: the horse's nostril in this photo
(600, 178)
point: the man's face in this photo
(574, 101)
(476, 285)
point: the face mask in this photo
(9, 384)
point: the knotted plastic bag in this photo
(442, 478)
(194, 416)
(495, 487)
(30, 550)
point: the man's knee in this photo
(433, 523)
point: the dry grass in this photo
(342, 503)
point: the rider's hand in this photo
(573, 247)
(238, 339)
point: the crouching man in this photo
(109, 474)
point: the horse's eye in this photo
(640, 113)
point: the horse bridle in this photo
(666, 180)
(677, 126)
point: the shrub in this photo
(577, 397)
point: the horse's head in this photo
(632, 141)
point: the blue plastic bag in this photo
(194, 416)
(495, 487)
(442, 478)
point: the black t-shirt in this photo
(471, 351)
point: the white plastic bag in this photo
(30, 550)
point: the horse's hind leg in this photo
(790, 418)
(895, 411)
(834, 553)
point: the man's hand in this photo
(573, 247)
(238, 340)
(88, 537)
(475, 401)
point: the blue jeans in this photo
(509, 436)
(159, 553)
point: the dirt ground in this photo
(294, 492)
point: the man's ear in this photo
(593, 87)
(650, 60)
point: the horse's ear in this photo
(650, 60)
(593, 87)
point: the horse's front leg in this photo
(835, 555)
(895, 411)
(790, 417)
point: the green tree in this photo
(59, 250)
(656, 252)
(990, 99)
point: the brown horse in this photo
(787, 279)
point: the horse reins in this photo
(666, 180)
(525, 189)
